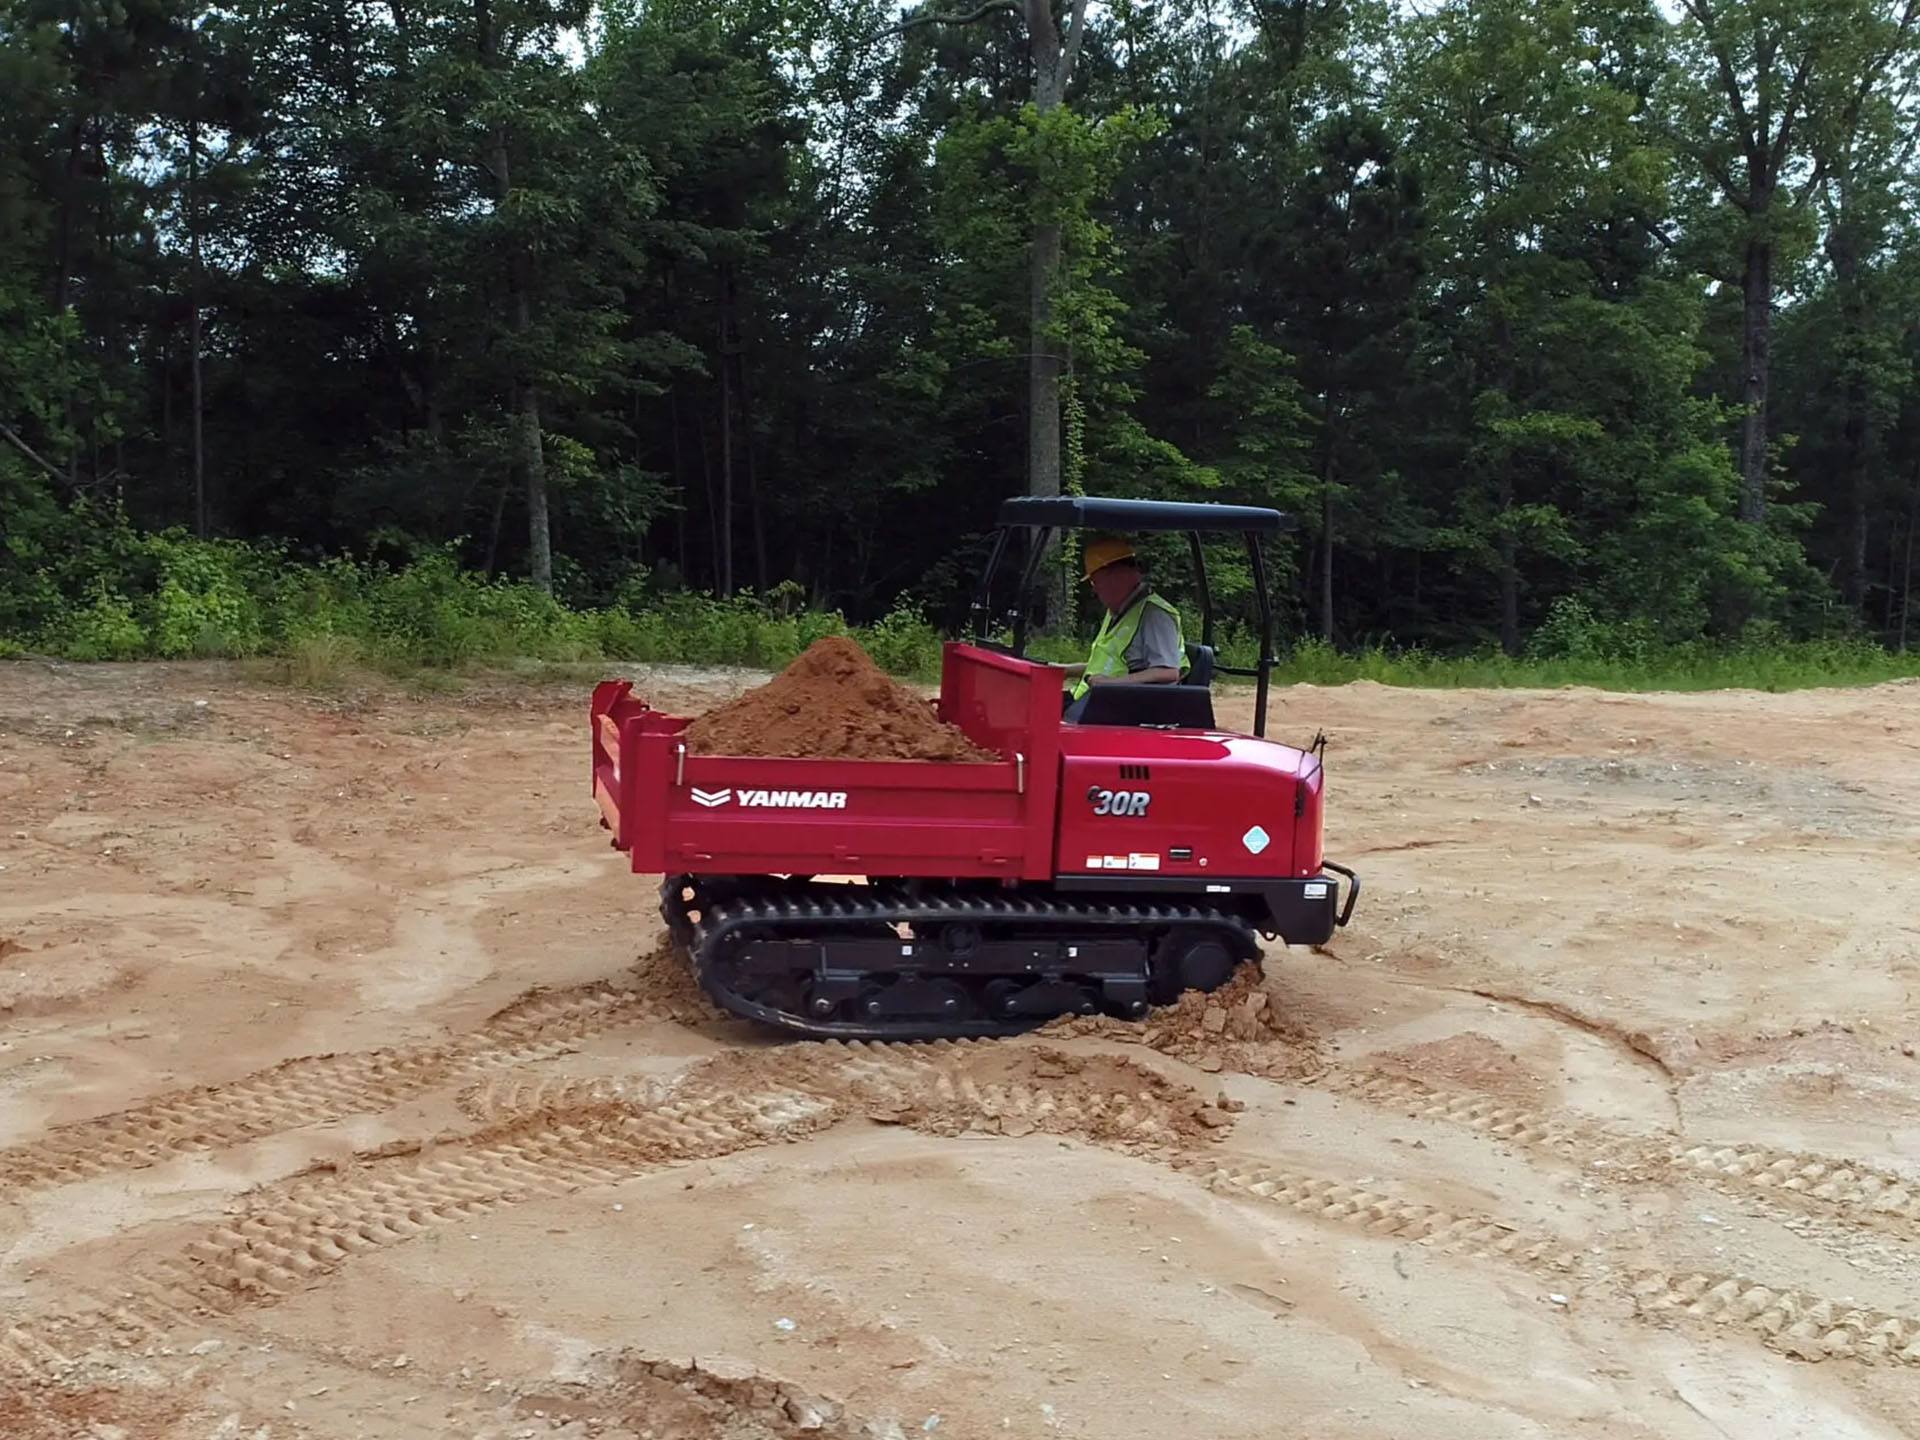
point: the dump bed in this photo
(677, 812)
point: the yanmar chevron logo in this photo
(772, 799)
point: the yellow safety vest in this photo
(1109, 653)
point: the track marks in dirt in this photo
(550, 1137)
(1791, 1322)
(1803, 1326)
(316, 1090)
(1850, 1192)
(293, 1234)
(1390, 1217)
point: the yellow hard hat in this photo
(1102, 553)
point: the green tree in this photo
(1053, 47)
(1760, 103)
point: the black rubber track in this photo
(728, 906)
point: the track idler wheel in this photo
(1191, 959)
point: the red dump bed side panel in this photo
(676, 812)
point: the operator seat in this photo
(1188, 705)
(1199, 666)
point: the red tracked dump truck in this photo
(1104, 865)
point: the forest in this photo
(1560, 326)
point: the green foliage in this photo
(1457, 284)
(206, 603)
(103, 628)
(322, 623)
(904, 642)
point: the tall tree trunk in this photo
(706, 490)
(1856, 439)
(1756, 357)
(1906, 586)
(193, 291)
(1043, 367)
(533, 461)
(499, 512)
(530, 453)
(63, 227)
(63, 280)
(1843, 254)
(166, 395)
(753, 480)
(726, 436)
(1509, 570)
(679, 481)
(1855, 445)
(1893, 559)
(1323, 556)
(1323, 567)
(1326, 564)
(1053, 59)
(1043, 266)
(524, 404)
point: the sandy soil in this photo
(345, 1091)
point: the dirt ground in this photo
(346, 1091)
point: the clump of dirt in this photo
(1021, 1090)
(665, 978)
(1236, 1027)
(1471, 1061)
(61, 1412)
(10, 946)
(833, 703)
(707, 1400)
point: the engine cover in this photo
(1186, 804)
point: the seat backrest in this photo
(1187, 706)
(1200, 663)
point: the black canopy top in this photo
(1090, 512)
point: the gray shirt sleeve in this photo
(1155, 643)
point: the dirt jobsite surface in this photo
(832, 702)
(345, 1091)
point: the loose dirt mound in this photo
(665, 979)
(707, 1400)
(1236, 1027)
(833, 703)
(1019, 1091)
(1470, 1061)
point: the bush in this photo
(104, 630)
(904, 643)
(1571, 632)
(90, 587)
(209, 598)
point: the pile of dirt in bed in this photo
(833, 703)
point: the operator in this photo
(1139, 641)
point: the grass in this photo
(1782, 666)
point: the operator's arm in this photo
(1152, 675)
